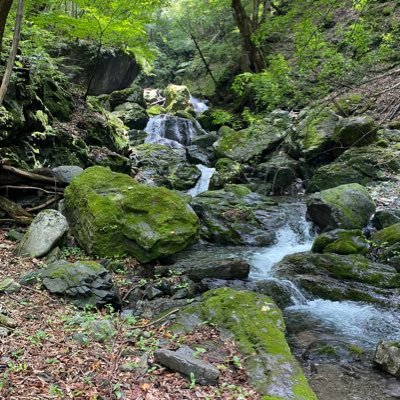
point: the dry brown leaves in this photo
(40, 359)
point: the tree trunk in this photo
(13, 54)
(5, 6)
(244, 23)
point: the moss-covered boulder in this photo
(346, 206)
(177, 97)
(226, 171)
(340, 241)
(248, 144)
(257, 326)
(107, 158)
(133, 94)
(387, 236)
(133, 115)
(164, 166)
(385, 218)
(83, 282)
(279, 172)
(342, 277)
(355, 131)
(237, 216)
(110, 214)
(357, 165)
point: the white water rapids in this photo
(357, 322)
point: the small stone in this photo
(387, 357)
(8, 285)
(100, 330)
(4, 332)
(30, 278)
(183, 362)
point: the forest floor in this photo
(50, 353)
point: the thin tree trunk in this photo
(244, 23)
(203, 59)
(5, 6)
(13, 54)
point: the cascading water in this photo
(353, 321)
(204, 181)
(172, 131)
(199, 105)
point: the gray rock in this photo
(387, 357)
(346, 207)
(100, 329)
(183, 362)
(84, 282)
(152, 292)
(46, 231)
(385, 218)
(65, 173)
(4, 332)
(8, 285)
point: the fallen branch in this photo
(44, 205)
(15, 211)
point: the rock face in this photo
(46, 231)
(184, 362)
(257, 327)
(356, 165)
(198, 265)
(237, 216)
(112, 215)
(340, 241)
(84, 282)
(346, 206)
(342, 277)
(163, 166)
(387, 357)
(249, 143)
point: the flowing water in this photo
(355, 322)
(199, 105)
(204, 181)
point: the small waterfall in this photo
(172, 131)
(203, 182)
(199, 105)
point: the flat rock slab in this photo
(183, 361)
(46, 231)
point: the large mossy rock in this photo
(346, 207)
(248, 144)
(258, 329)
(133, 115)
(83, 282)
(133, 94)
(385, 218)
(163, 166)
(111, 215)
(226, 171)
(355, 131)
(177, 98)
(387, 236)
(340, 241)
(237, 216)
(342, 277)
(357, 165)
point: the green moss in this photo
(112, 215)
(156, 110)
(238, 190)
(257, 326)
(387, 236)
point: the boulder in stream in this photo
(346, 206)
(387, 357)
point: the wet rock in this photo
(342, 277)
(198, 155)
(387, 357)
(198, 265)
(340, 241)
(236, 216)
(248, 144)
(83, 282)
(111, 214)
(163, 166)
(206, 140)
(46, 231)
(357, 165)
(182, 361)
(346, 206)
(227, 171)
(136, 137)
